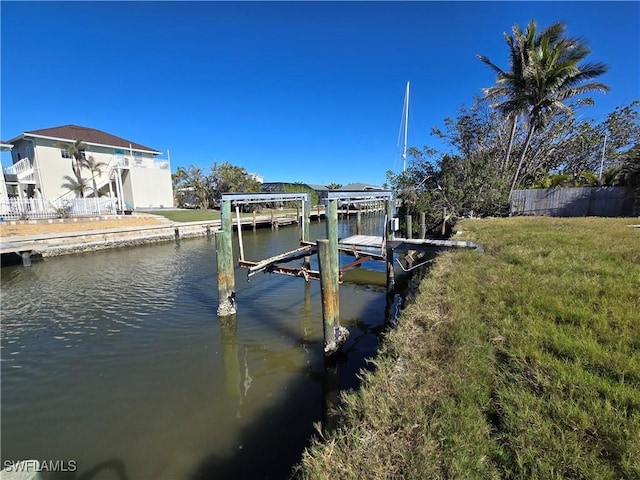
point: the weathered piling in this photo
(389, 211)
(225, 264)
(423, 225)
(334, 334)
(358, 223)
(306, 218)
(226, 280)
(409, 226)
(390, 270)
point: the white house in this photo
(129, 172)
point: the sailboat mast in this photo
(406, 129)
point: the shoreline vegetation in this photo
(522, 362)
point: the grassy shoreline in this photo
(523, 362)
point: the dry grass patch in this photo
(68, 226)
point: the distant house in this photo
(279, 187)
(131, 171)
(359, 187)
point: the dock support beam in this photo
(224, 259)
(26, 259)
(423, 225)
(359, 223)
(409, 226)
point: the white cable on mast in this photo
(406, 128)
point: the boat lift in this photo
(274, 264)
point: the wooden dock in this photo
(426, 244)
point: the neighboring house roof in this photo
(279, 186)
(90, 136)
(361, 187)
(317, 187)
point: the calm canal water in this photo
(116, 360)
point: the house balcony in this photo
(23, 171)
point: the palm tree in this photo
(75, 185)
(95, 167)
(546, 71)
(76, 151)
(200, 185)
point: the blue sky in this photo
(294, 91)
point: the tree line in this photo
(524, 133)
(203, 187)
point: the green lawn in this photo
(196, 215)
(188, 215)
(522, 362)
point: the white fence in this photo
(34, 208)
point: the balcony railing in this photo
(140, 162)
(21, 169)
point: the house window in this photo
(64, 153)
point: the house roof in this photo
(90, 136)
(361, 187)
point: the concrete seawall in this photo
(54, 244)
(80, 242)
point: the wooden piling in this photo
(390, 271)
(358, 223)
(306, 218)
(254, 220)
(225, 264)
(409, 226)
(334, 335)
(423, 225)
(390, 210)
(226, 280)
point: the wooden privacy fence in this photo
(576, 202)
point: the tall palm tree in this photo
(76, 151)
(546, 71)
(95, 167)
